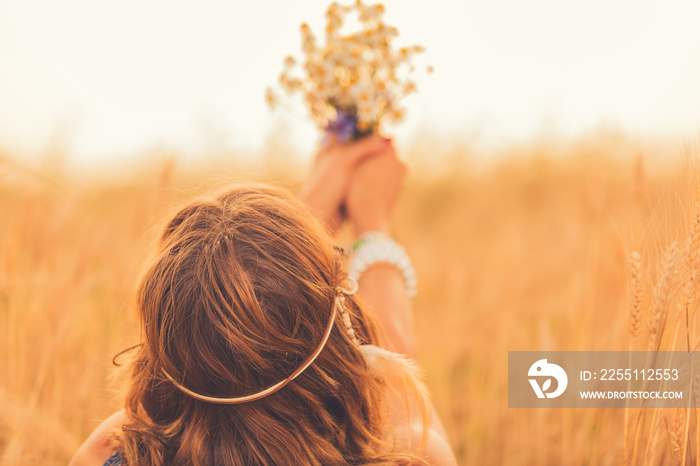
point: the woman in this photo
(256, 349)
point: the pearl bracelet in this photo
(374, 247)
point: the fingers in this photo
(387, 159)
(366, 147)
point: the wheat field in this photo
(528, 250)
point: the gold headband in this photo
(272, 389)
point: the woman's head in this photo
(240, 293)
(237, 297)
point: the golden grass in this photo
(527, 253)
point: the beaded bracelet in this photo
(373, 247)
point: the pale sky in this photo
(117, 77)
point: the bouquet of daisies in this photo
(355, 81)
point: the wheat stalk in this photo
(661, 291)
(692, 243)
(676, 433)
(654, 318)
(690, 258)
(634, 328)
(636, 305)
(654, 430)
(690, 255)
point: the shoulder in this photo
(410, 434)
(437, 451)
(97, 448)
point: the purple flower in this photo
(343, 128)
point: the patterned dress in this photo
(113, 460)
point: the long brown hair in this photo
(238, 295)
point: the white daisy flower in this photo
(363, 92)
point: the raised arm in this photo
(367, 177)
(373, 191)
(384, 286)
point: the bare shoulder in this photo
(437, 450)
(408, 431)
(97, 449)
